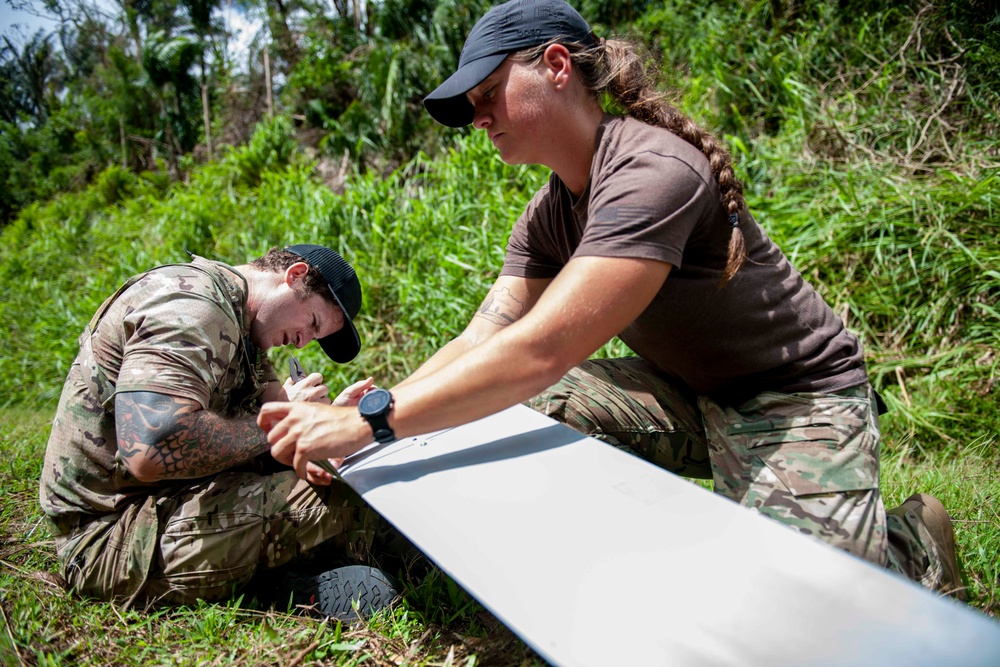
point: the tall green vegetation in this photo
(426, 249)
(144, 89)
(363, 88)
(867, 138)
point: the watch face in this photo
(375, 402)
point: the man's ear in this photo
(296, 272)
(558, 65)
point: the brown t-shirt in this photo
(651, 195)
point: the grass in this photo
(966, 478)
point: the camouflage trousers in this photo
(808, 460)
(207, 540)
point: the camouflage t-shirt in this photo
(179, 330)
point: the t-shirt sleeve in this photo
(179, 344)
(528, 248)
(646, 207)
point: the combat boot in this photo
(344, 593)
(933, 515)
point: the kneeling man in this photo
(157, 482)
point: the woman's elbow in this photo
(549, 369)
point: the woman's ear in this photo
(558, 65)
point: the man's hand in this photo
(309, 389)
(322, 471)
(304, 432)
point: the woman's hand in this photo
(353, 394)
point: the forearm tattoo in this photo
(181, 440)
(501, 307)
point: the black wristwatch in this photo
(374, 407)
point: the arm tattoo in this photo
(179, 440)
(501, 307)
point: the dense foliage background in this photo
(866, 133)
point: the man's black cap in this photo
(506, 28)
(345, 344)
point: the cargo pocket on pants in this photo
(810, 455)
(819, 475)
(206, 557)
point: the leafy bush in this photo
(115, 184)
(365, 91)
(271, 147)
(881, 81)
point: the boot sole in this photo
(334, 593)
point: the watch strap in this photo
(380, 428)
(379, 421)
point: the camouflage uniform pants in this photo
(808, 460)
(207, 540)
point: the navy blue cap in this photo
(506, 28)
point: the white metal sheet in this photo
(595, 557)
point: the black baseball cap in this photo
(506, 28)
(345, 344)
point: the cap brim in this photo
(448, 104)
(342, 346)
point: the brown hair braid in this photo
(614, 72)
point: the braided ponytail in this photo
(615, 74)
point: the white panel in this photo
(595, 557)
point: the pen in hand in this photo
(297, 373)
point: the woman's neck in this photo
(572, 162)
